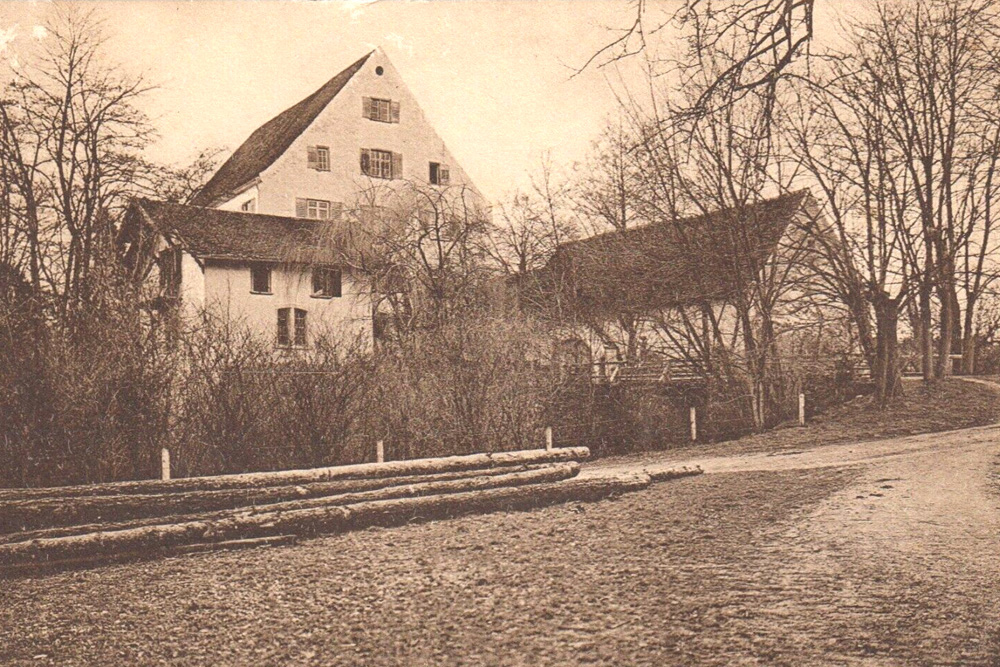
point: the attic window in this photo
(249, 206)
(440, 174)
(326, 283)
(384, 111)
(260, 279)
(379, 70)
(318, 158)
(381, 164)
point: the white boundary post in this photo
(802, 409)
(548, 438)
(694, 423)
(165, 464)
(380, 452)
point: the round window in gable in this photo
(379, 70)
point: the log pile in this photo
(105, 522)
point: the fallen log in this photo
(289, 477)
(674, 473)
(42, 513)
(145, 541)
(416, 486)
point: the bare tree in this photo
(179, 184)
(763, 37)
(70, 139)
(528, 228)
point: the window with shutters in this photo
(260, 278)
(439, 174)
(381, 164)
(326, 282)
(317, 209)
(292, 327)
(318, 158)
(381, 110)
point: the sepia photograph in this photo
(499, 332)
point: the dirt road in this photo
(883, 553)
(904, 563)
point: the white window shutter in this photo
(397, 165)
(443, 174)
(336, 210)
(366, 107)
(301, 208)
(394, 112)
(365, 161)
(312, 157)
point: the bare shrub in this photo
(473, 384)
(85, 398)
(243, 406)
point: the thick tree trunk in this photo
(416, 486)
(949, 324)
(885, 369)
(289, 477)
(21, 515)
(148, 540)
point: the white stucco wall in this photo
(343, 129)
(236, 203)
(227, 294)
(192, 290)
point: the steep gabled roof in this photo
(208, 233)
(663, 264)
(271, 140)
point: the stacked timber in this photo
(105, 522)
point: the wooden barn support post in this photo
(380, 452)
(165, 464)
(802, 409)
(694, 423)
(548, 438)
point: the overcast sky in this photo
(493, 77)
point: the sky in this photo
(494, 78)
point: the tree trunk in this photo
(148, 540)
(144, 514)
(969, 338)
(288, 477)
(926, 337)
(22, 515)
(885, 369)
(949, 327)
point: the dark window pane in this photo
(260, 278)
(300, 326)
(283, 336)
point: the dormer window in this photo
(318, 158)
(260, 279)
(249, 206)
(381, 110)
(440, 175)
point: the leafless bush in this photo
(84, 398)
(242, 407)
(474, 384)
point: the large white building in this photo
(264, 241)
